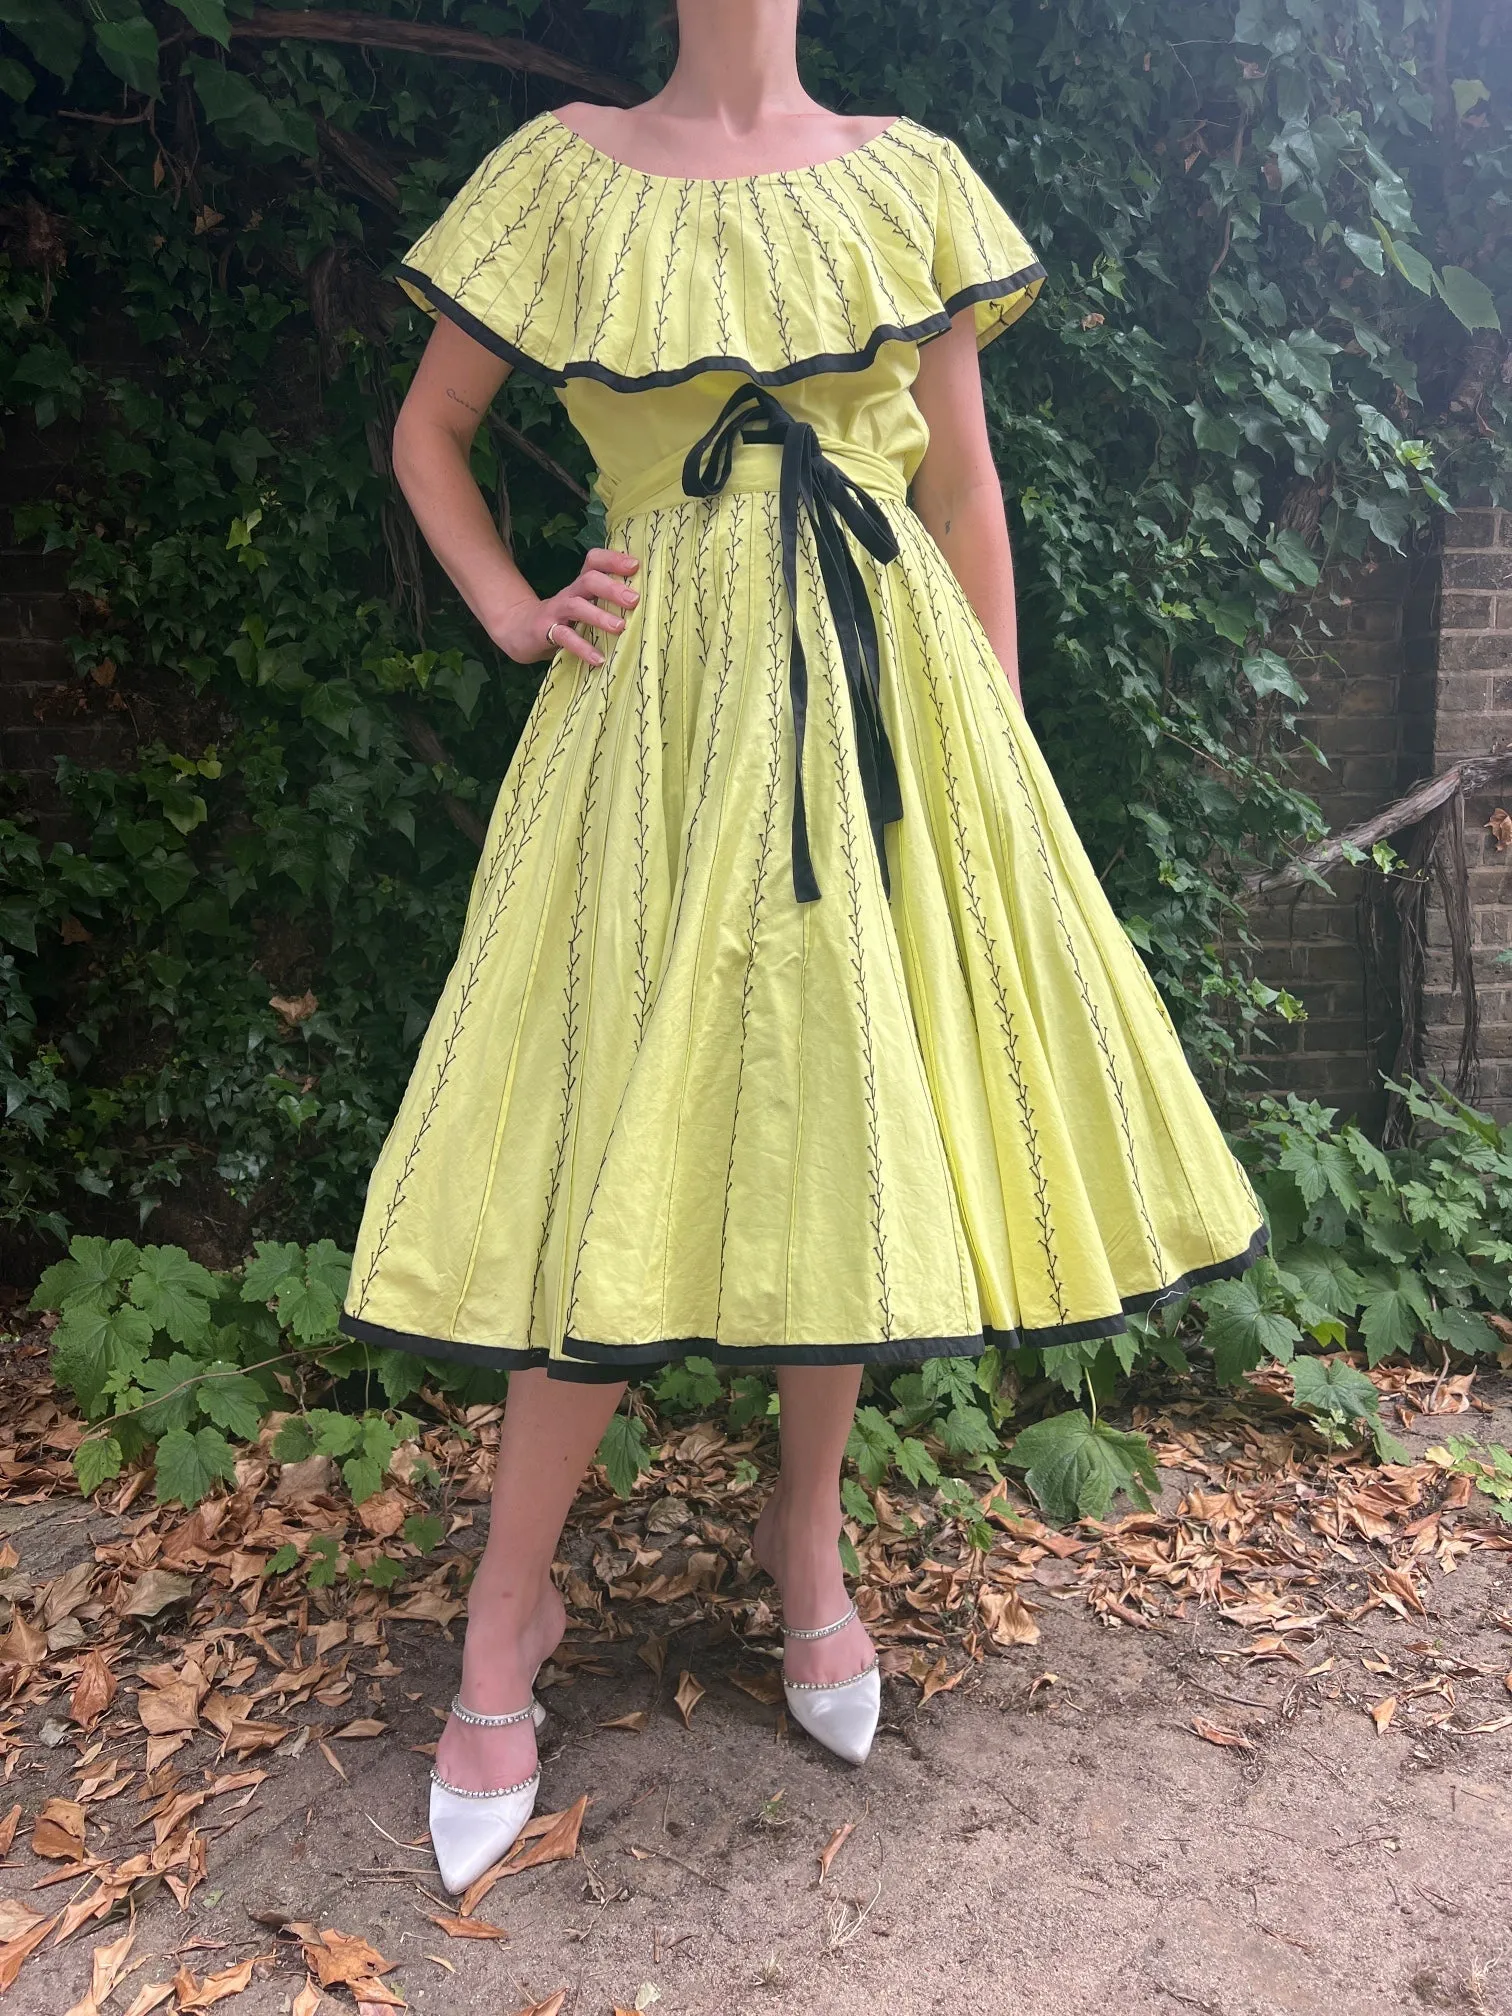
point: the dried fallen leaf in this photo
(8, 1828)
(107, 1964)
(689, 1694)
(155, 1591)
(552, 2006)
(23, 1644)
(153, 1996)
(765, 1687)
(469, 1928)
(938, 1681)
(337, 1958)
(164, 1711)
(1381, 1713)
(1226, 1739)
(333, 1760)
(307, 2002)
(17, 1918)
(15, 1952)
(355, 1731)
(636, 1719)
(1500, 827)
(654, 1653)
(219, 1987)
(94, 1690)
(1007, 1617)
(833, 1846)
(58, 1834)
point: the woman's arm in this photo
(452, 388)
(956, 489)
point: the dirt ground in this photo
(1049, 1836)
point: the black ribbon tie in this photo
(811, 483)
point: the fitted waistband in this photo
(756, 465)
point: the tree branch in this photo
(419, 38)
(1470, 775)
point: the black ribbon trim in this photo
(810, 483)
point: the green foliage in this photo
(1264, 224)
(163, 1355)
(1491, 1469)
(1344, 1404)
(1385, 1249)
(1076, 1466)
(625, 1452)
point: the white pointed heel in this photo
(470, 1831)
(840, 1714)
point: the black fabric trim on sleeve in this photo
(786, 374)
(590, 1363)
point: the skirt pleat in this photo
(664, 1107)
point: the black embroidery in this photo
(992, 678)
(669, 271)
(573, 1009)
(929, 659)
(506, 871)
(822, 245)
(844, 761)
(776, 660)
(617, 270)
(774, 282)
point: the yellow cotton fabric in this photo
(663, 1106)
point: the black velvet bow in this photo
(810, 482)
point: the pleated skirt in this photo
(664, 1108)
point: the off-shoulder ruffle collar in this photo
(569, 263)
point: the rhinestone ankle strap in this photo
(488, 1721)
(824, 1630)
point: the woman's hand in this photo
(522, 631)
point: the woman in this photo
(790, 1025)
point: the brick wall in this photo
(1370, 713)
(1469, 662)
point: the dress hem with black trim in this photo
(586, 1362)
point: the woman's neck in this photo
(737, 64)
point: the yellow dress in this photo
(866, 1072)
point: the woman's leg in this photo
(515, 1618)
(797, 1538)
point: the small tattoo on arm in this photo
(453, 393)
(948, 523)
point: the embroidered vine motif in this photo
(584, 240)
(711, 747)
(923, 227)
(821, 243)
(573, 1012)
(928, 657)
(848, 171)
(643, 813)
(842, 754)
(669, 270)
(955, 171)
(617, 271)
(529, 212)
(860, 243)
(774, 286)
(767, 557)
(509, 865)
(992, 675)
(721, 277)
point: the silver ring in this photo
(551, 635)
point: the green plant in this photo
(1489, 1468)
(1386, 1247)
(166, 1358)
